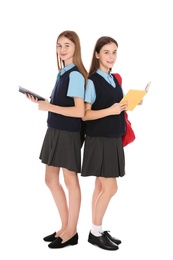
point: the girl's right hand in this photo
(117, 108)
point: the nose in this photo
(63, 48)
(111, 56)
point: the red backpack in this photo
(129, 135)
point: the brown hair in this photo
(77, 58)
(99, 44)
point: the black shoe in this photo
(50, 238)
(57, 242)
(103, 242)
(113, 239)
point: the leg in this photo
(52, 181)
(96, 193)
(107, 187)
(103, 195)
(104, 190)
(74, 198)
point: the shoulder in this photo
(118, 77)
(90, 83)
(76, 75)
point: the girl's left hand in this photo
(141, 102)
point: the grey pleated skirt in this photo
(103, 157)
(62, 149)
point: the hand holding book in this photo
(26, 91)
(135, 97)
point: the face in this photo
(65, 50)
(107, 56)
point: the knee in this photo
(48, 182)
(112, 190)
(115, 189)
(51, 183)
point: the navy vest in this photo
(106, 95)
(59, 97)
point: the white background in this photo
(141, 212)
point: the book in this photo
(134, 96)
(27, 91)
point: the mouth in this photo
(63, 55)
(111, 63)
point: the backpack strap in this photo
(118, 77)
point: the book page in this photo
(133, 97)
(147, 86)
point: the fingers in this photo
(32, 98)
(141, 102)
(117, 108)
(124, 106)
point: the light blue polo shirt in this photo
(90, 93)
(76, 86)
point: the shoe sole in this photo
(110, 249)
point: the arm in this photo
(115, 109)
(75, 111)
(75, 90)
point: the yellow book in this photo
(134, 96)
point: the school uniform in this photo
(62, 142)
(103, 151)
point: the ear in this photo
(96, 55)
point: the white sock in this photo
(96, 230)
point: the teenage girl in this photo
(61, 149)
(105, 125)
